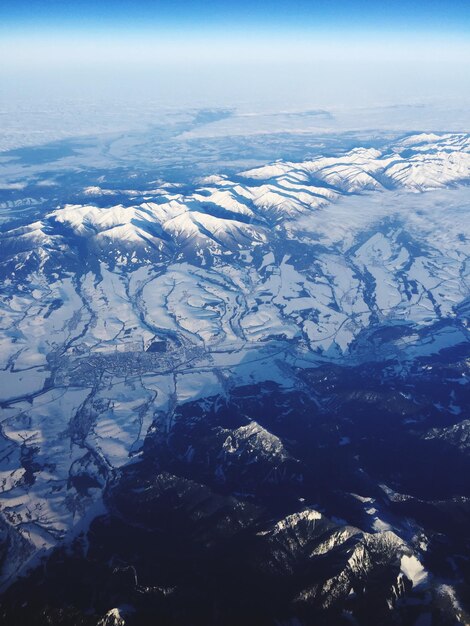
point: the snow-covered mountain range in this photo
(121, 309)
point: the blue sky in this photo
(60, 31)
(300, 52)
(200, 15)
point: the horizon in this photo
(212, 54)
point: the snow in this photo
(413, 570)
(254, 438)
(234, 302)
(379, 525)
(307, 515)
(195, 385)
(14, 384)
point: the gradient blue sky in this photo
(55, 31)
(194, 15)
(290, 52)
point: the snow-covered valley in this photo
(119, 310)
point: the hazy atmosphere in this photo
(94, 65)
